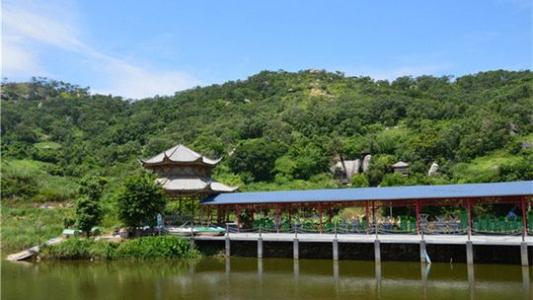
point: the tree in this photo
(88, 213)
(257, 158)
(359, 180)
(140, 200)
(88, 210)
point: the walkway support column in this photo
(260, 246)
(295, 249)
(469, 253)
(424, 256)
(335, 249)
(227, 244)
(377, 252)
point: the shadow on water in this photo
(246, 278)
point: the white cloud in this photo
(29, 26)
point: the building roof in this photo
(193, 184)
(400, 164)
(179, 154)
(422, 192)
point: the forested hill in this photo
(275, 130)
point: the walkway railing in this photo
(431, 228)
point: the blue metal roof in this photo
(500, 189)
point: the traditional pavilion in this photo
(183, 172)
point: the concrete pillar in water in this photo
(260, 247)
(523, 254)
(295, 249)
(335, 249)
(471, 280)
(296, 269)
(336, 270)
(377, 251)
(424, 257)
(469, 253)
(228, 246)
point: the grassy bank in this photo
(141, 248)
(25, 225)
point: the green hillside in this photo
(275, 130)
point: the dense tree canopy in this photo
(279, 128)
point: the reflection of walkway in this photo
(365, 238)
(381, 281)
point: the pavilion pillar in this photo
(523, 245)
(238, 216)
(219, 220)
(320, 216)
(367, 216)
(469, 218)
(524, 217)
(417, 216)
(278, 217)
(208, 215)
(374, 218)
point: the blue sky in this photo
(138, 49)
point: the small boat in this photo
(185, 229)
(209, 230)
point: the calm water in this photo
(249, 278)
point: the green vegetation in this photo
(140, 200)
(88, 209)
(140, 248)
(24, 226)
(275, 130)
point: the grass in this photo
(485, 168)
(24, 226)
(29, 180)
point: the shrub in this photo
(156, 247)
(141, 248)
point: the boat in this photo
(187, 229)
(209, 230)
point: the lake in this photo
(250, 278)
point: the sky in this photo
(138, 49)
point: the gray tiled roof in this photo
(180, 154)
(188, 184)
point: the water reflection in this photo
(245, 278)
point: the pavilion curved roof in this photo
(194, 184)
(179, 154)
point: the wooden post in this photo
(374, 218)
(278, 219)
(208, 215)
(524, 218)
(469, 217)
(367, 217)
(417, 215)
(320, 215)
(238, 215)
